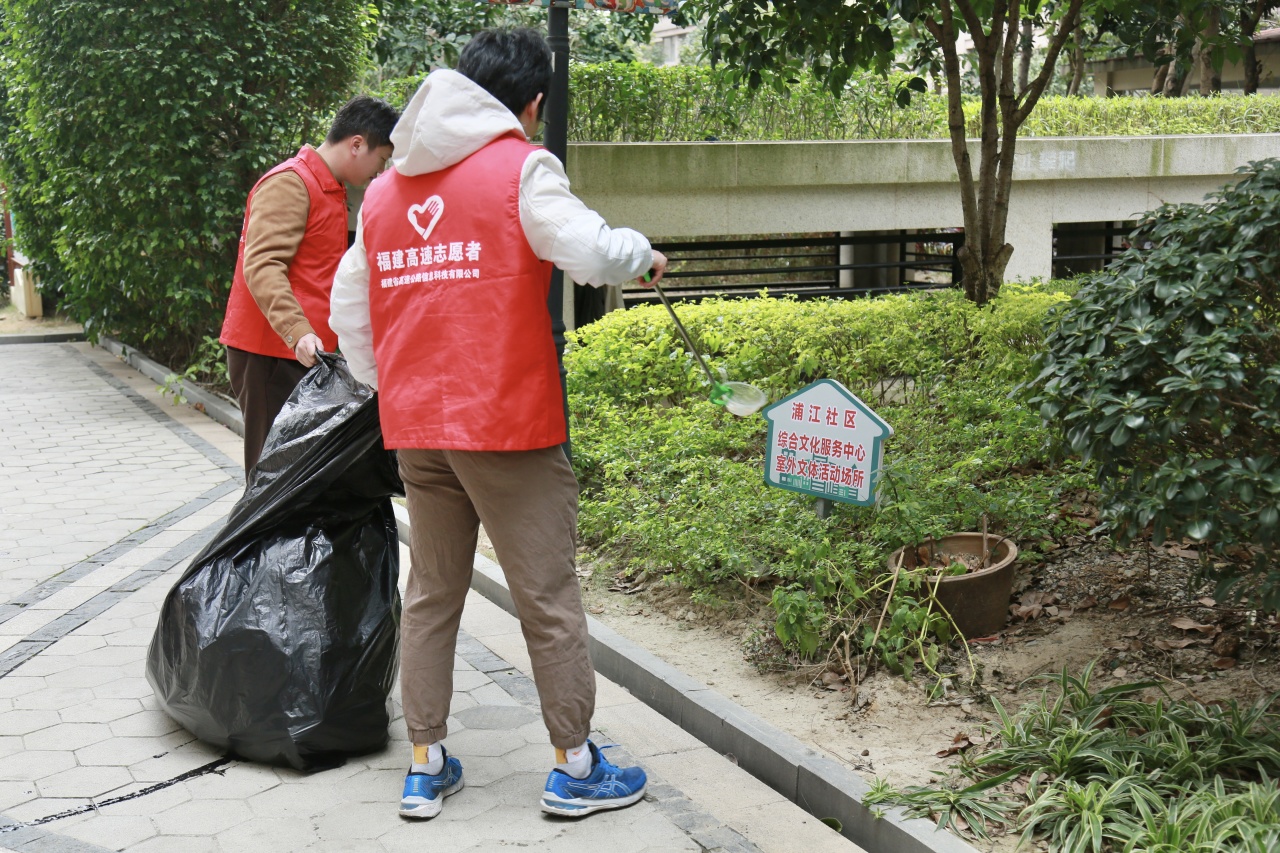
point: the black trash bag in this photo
(280, 642)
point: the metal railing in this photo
(808, 267)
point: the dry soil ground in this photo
(1135, 612)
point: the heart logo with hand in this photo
(434, 207)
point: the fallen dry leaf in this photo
(1224, 663)
(1132, 633)
(1025, 612)
(1121, 603)
(1119, 672)
(1086, 602)
(1170, 645)
(1186, 623)
(1207, 601)
(959, 743)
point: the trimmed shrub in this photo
(637, 102)
(673, 486)
(1164, 371)
(134, 132)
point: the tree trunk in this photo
(1251, 69)
(1249, 18)
(1157, 82)
(984, 257)
(1175, 84)
(1077, 66)
(1026, 46)
(1210, 78)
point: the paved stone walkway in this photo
(106, 491)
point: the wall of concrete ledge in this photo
(700, 189)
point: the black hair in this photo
(513, 65)
(364, 116)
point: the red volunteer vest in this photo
(458, 303)
(311, 272)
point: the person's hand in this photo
(659, 266)
(307, 348)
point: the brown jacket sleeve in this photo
(277, 223)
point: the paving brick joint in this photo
(106, 491)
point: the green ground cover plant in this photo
(1125, 768)
(1163, 372)
(673, 486)
(638, 102)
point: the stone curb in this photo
(227, 414)
(43, 338)
(820, 786)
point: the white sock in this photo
(576, 762)
(428, 759)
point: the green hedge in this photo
(617, 102)
(133, 131)
(673, 486)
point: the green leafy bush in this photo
(1164, 371)
(673, 486)
(134, 131)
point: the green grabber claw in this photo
(738, 398)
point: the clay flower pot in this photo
(978, 601)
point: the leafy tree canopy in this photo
(415, 36)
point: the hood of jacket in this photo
(448, 119)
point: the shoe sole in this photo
(552, 804)
(430, 809)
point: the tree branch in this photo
(945, 34)
(1008, 130)
(1036, 89)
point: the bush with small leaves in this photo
(1164, 370)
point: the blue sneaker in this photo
(424, 794)
(606, 787)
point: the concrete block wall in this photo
(704, 189)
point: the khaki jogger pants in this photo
(528, 503)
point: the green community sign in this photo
(825, 442)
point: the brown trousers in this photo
(262, 385)
(528, 503)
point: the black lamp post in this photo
(556, 137)
(588, 301)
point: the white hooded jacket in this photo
(449, 119)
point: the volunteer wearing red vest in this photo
(442, 305)
(295, 231)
